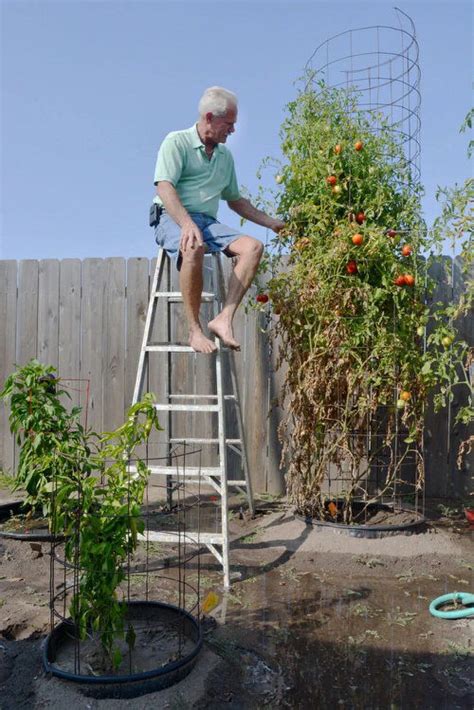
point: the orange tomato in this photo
(358, 145)
(357, 239)
(302, 243)
(406, 250)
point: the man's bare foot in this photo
(200, 343)
(223, 331)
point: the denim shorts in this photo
(217, 236)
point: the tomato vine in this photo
(350, 279)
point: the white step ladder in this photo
(213, 476)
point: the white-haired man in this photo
(194, 170)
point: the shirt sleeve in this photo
(170, 161)
(231, 191)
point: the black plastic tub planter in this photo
(61, 647)
(8, 510)
(367, 530)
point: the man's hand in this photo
(277, 225)
(245, 209)
(191, 236)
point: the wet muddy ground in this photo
(314, 619)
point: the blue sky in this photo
(89, 89)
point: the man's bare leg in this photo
(191, 282)
(248, 252)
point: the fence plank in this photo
(8, 314)
(27, 339)
(70, 327)
(93, 287)
(137, 302)
(114, 346)
(438, 455)
(48, 321)
(461, 478)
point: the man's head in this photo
(217, 114)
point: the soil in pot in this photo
(20, 523)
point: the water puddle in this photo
(327, 640)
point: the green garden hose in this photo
(461, 598)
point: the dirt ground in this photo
(314, 619)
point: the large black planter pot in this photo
(130, 685)
(7, 510)
(367, 530)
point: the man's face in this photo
(220, 127)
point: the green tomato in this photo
(401, 404)
(420, 331)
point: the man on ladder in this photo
(194, 170)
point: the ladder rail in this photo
(235, 389)
(150, 317)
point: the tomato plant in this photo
(347, 331)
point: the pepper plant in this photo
(41, 424)
(101, 518)
(349, 287)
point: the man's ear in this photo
(209, 116)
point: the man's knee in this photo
(193, 256)
(247, 247)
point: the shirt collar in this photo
(196, 141)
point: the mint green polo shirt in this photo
(199, 182)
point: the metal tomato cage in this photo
(161, 591)
(381, 64)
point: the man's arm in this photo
(245, 209)
(190, 232)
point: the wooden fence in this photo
(86, 318)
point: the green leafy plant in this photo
(41, 424)
(349, 287)
(101, 518)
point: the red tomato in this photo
(357, 239)
(391, 233)
(360, 218)
(400, 281)
(331, 180)
(406, 250)
(358, 145)
(409, 279)
(351, 267)
(262, 298)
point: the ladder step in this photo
(191, 537)
(192, 440)
(169, 348)
(176, 296)
(192, 396)
(176, 471)
(186, 408)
